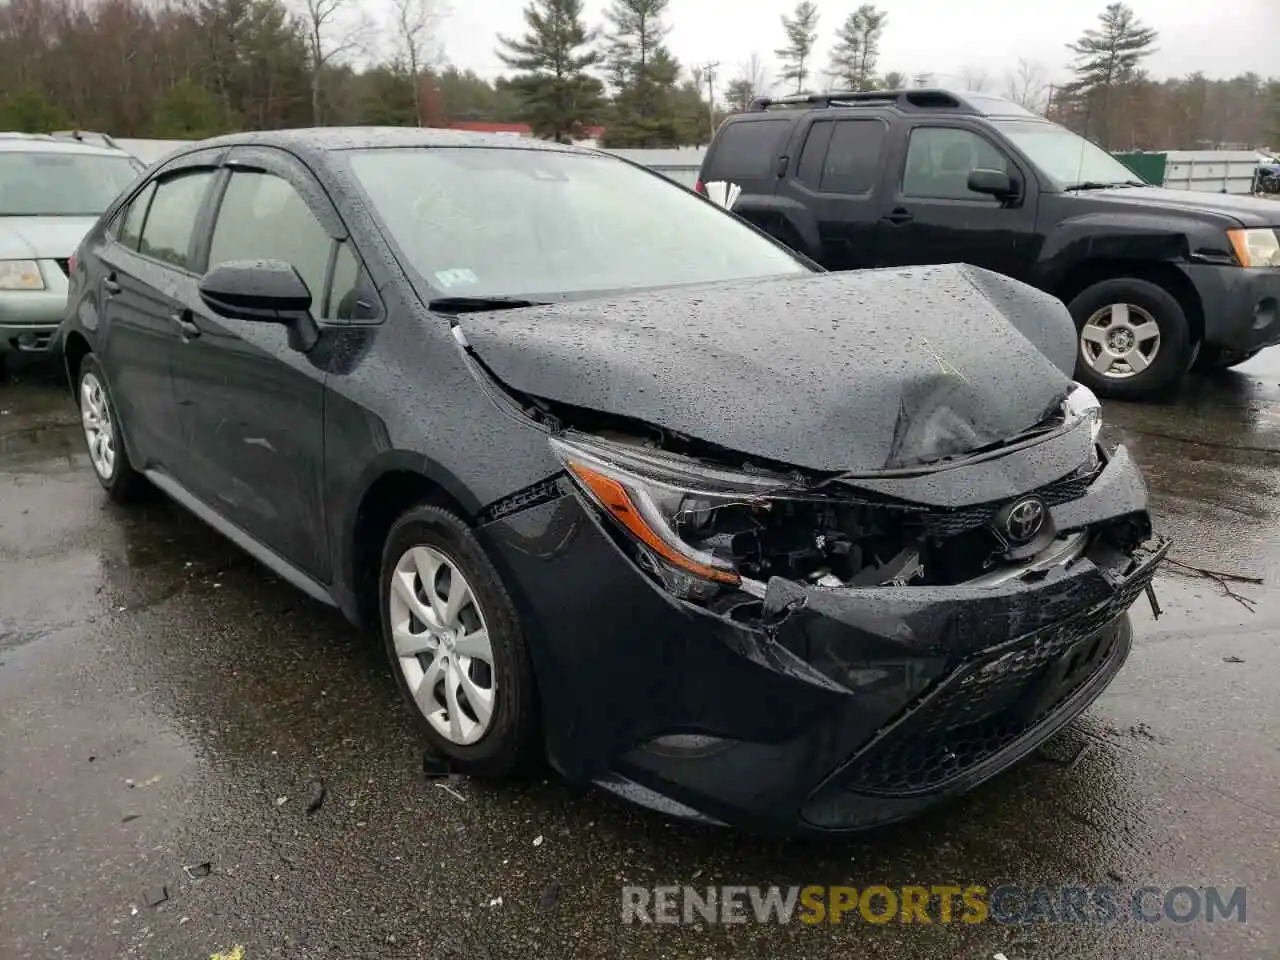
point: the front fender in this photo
(1159, 236)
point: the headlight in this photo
(20, 275)
(660, 505)
(1259, 247)
(1082, 402)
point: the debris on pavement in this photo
(281, 801)
(1224, 581)
(316, 800)
(198, 871)
(495, 902)
(537, 841)
(1232, 660)
(157, 896)
(452, 792)
(130, 817)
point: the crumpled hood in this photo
(42, 238)
(857, 371)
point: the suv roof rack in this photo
(918, 99)
(86, 136)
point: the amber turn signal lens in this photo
(613, 496)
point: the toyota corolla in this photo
(621, 482)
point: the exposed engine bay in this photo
(760, 520)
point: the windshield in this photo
(1066, 158)
(50, 184)
(536, 223)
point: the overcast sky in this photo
(942, 37)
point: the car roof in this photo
(962, 103)
(320, 140)
(45, 143)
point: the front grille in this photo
(949, 523)
(992, 701)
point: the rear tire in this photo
(456, 647)
(1132, 338)
(105, 443)
(1220, 358)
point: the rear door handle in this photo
(110, 284)
(898, 216)
(186, 325)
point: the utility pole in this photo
(709, 70)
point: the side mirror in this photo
(995, 183)
(262, 291)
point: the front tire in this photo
(455, 644)
(1132, 338)
(102, 435)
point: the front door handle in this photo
(186, 326)
(899, 215)
(111, 284)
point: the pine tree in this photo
(635, 32)
(1107, 58)
(739, 94)
(558, 97)
(801, 29)
(894, 80)
(643, 75)
(857, 49)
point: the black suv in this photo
(1156, 280)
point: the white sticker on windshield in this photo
(451, 278)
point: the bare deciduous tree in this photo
(755, 73)
(334, 29)
(1027, 85)
(975, 79)
(414, 23)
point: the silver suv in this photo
(52, 189)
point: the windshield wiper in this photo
(479, 304)
(1101, 185)
(1089, 185)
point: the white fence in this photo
(1213, 171)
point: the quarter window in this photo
(940, 159)
(263, 217)
(171, 219)
(131, 224)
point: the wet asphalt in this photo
(166, 702)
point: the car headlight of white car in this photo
(20, 275)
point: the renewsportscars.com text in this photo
(941, 903)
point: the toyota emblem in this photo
(1024, 520)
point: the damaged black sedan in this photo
(620, 481)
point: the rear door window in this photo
(747, 150)
(853, 157)
(171, 218)
(842, 156)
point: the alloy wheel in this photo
(442, 644)
(1120, 341)
(95, 415)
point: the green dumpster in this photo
(1149, 166)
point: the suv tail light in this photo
(699, 187)
(71, 266)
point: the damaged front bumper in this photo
(824, 708)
